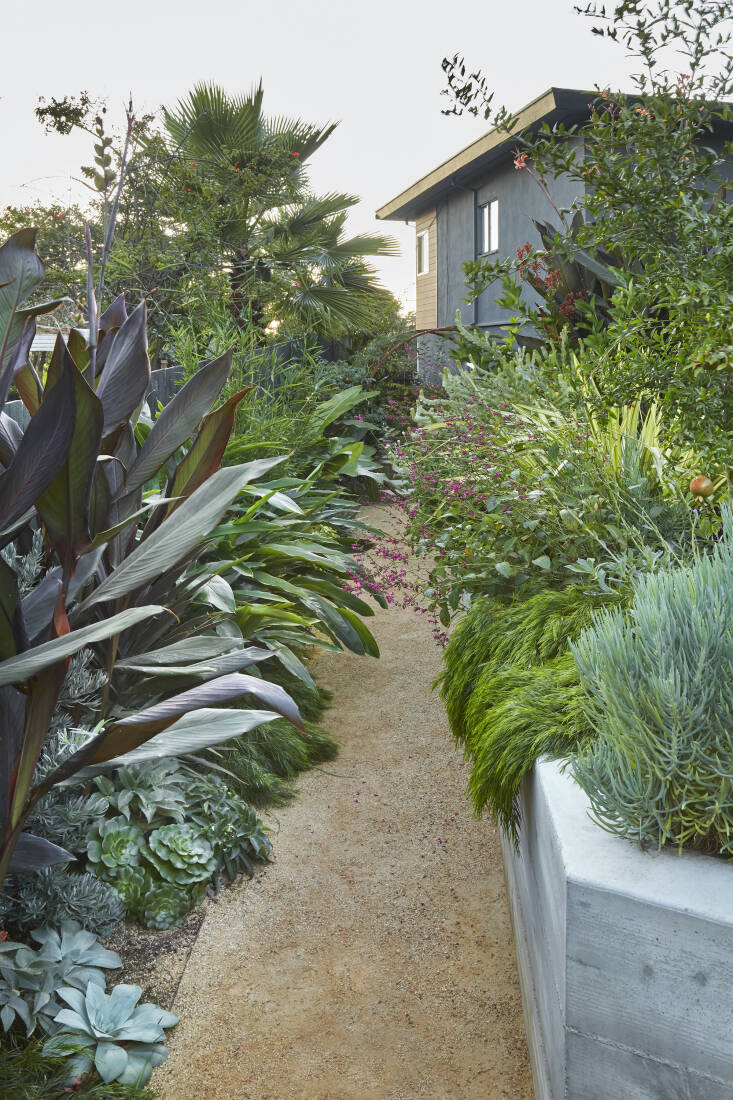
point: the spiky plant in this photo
(656, 691)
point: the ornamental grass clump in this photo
(512, 691)
(656, 686)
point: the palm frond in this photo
(299, 218)
(343, 252)
(300, 137)
(212, 123)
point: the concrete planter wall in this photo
(625, 957)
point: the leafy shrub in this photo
(261, 764)
(122, 1040)
(656, 686)
(54, 895)
(511, 499)
(160, 866)
(92, 553)
(146, 791)
(66, 818)
(232, 828)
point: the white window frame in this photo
(489, 226)
(422, 252)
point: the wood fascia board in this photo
(532, 113)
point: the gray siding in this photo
(456, 224)
(520, 199)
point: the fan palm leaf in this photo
(208, 122)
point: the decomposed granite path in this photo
(374, 958)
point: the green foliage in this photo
(96, 553)
(61, 243)
(54, 895)
(511, 498)
(217, 205)
(652, 170)
(512, 693)
(144, 791)
(160, 866)
(384, 364)
(121, 1039)
(65, 818)
(285, 247)
(261, 764)
(656, 686)
(162, 904)
(31, 979)
(231, 827)
(27, 1073)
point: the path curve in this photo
(374, 958)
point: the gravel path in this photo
(374, 958)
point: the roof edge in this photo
(565, 103)
(533, 112)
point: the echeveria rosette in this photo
(180, 854)
(115, 843)
(131, 883)
(167, 905)
(124, 1041)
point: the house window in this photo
(422, 253)
(489, 226)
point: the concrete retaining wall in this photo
(625, 957)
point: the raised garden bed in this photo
(625, 957)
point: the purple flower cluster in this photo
(386, 568)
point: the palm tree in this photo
(284, 248)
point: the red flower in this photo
(295, 154)
(520, 160)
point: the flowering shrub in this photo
(388, 573)
(509, 497)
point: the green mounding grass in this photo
(262, 764)
(26, 1073)
(515, 717)
(512, 692)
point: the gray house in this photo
(476, 204)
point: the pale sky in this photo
(375, 67)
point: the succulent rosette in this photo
(115, 843)
(180, 854)
(122, 1039)
(167, 905)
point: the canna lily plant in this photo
(125, 508)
